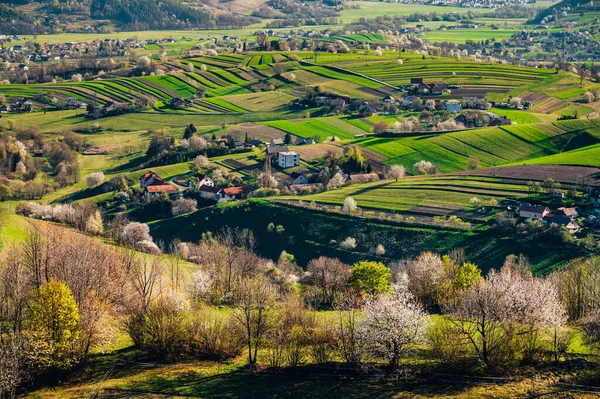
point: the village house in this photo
(276, 142)
(416, 82)
(22, 105)
(288, 159)
(150, 179)
(453, 106)
(564, 221)
(366, 110)
(568, 212)
(272, 152)
(304, 141)
(171, 191)
(180, 103)
(298, 178)
(110, 107)
(73, 102)
(409, 100)
(533, 211)
(222, 194)
(201, 180)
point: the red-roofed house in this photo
(150, 179)
(168, 189)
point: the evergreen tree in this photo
(189, 131)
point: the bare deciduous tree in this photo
(254, 314)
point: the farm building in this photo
(531, 211)
(288, 159)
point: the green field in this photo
(493, 146)
(322, 127)
(411, 192)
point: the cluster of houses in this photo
(46, 52)
(467, 3)
(152, 185)
(564, 217)
(18, 107)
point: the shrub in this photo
(348, 243)
(160, 330)
(135, 232)
(349, 205)
(211, 335)
(181, 206)
(94, 179)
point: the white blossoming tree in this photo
(391, 324)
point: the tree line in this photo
(63, 293)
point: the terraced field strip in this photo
(101, 89)
(210, 61)
(228, 77)
(224, 105)
(265, 101)
(123, 93)
(227, 90)
(361, 123)
(310, 128)
(160, 83)
(212, 79)
(173, 85)
(202, 80)
(147, 89)
(336, 74)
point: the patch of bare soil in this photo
(561, 173)
(100, 149)
(262, 132)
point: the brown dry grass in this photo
(314, 151)
(561, 173)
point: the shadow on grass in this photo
(299, 382)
